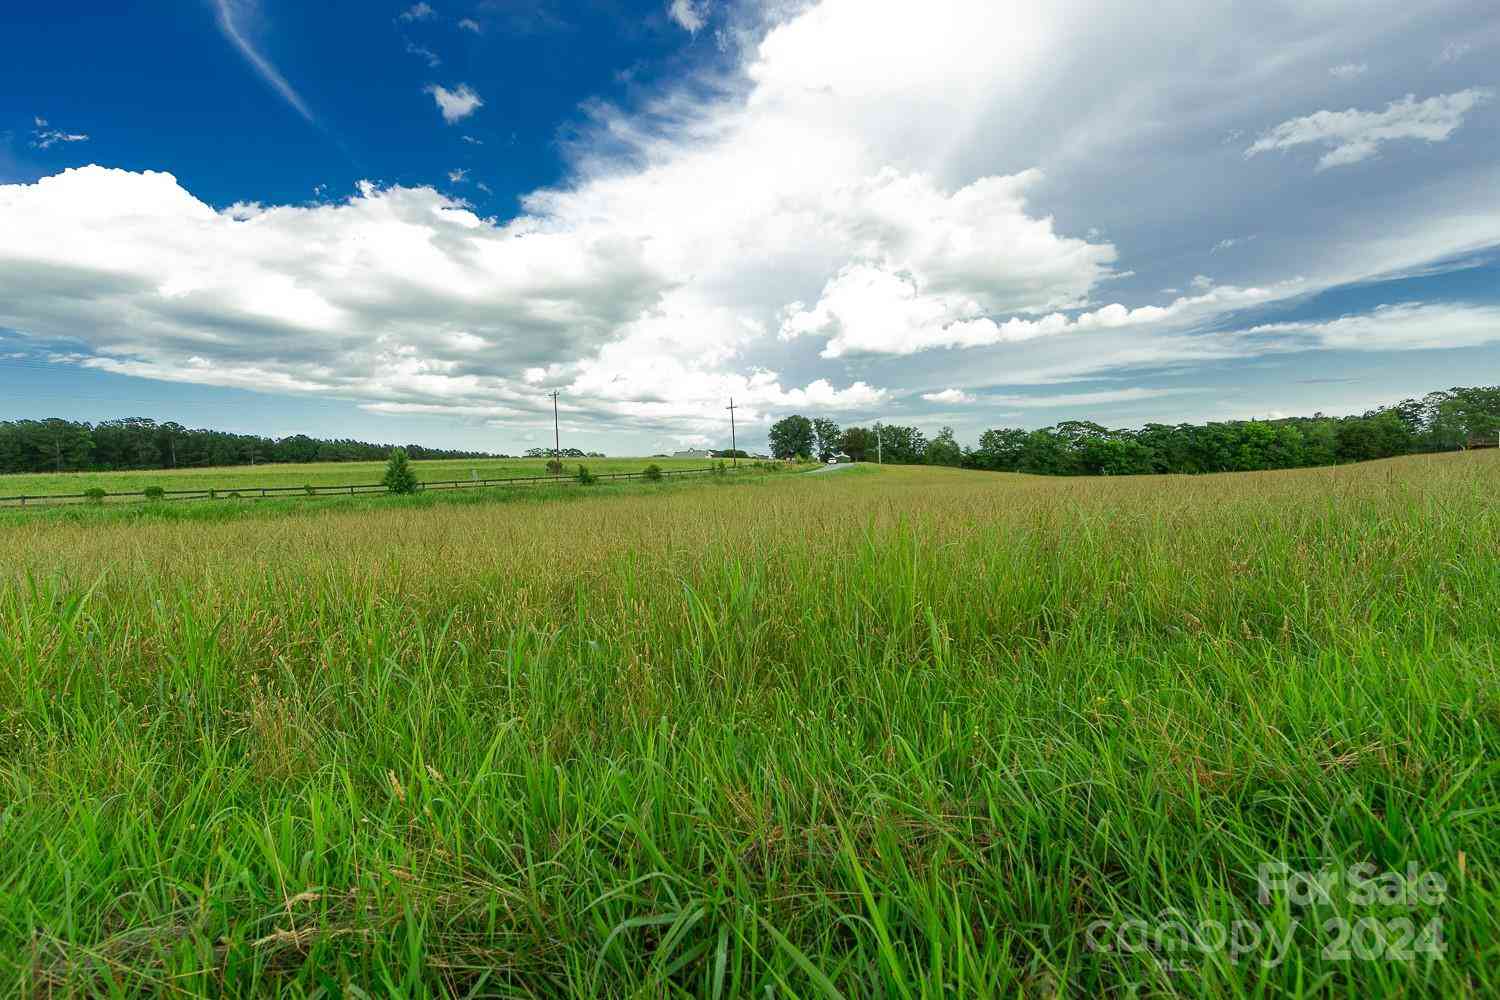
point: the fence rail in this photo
(351, 489)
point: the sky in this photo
(399, 222)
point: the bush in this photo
(554, 466)
(585, 477)
(653, 473)
(95, 495)
(399, 478)
(720, 468)
(155, 493)
(309, 490)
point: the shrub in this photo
(653, 473)
(399, 478)
(720, 468)
(155, 493)
(95, 495)
(585, 477)
(310, 491)
(554, 466)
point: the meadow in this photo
(243, 477)
(905, 732)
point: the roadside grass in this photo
(907, 732)
(244, 477)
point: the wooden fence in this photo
(293, 492)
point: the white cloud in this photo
(1348, 71)
(1355, 135)
(423, 52)
(1085, 399)
(417, 12)
(231, 15)
(954, 396)
(1401, 327)
(44, 136)
(690, 15)
(1454, 51)
(456, 104)
(458, 175)
(866, 310)
(473, 141)
(1228, 243)
(469, 24)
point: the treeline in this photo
(1440, 421)
(56, 445)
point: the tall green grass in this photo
(906, 733)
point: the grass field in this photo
(240, 477)
(894, 732)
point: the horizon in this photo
(929, 218)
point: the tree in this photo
(858, 443)
(944, 449)
(791, 436)
(399, 477)
(902, 445)
(827, 434)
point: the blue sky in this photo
(401, 222)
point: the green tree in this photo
(399, 477)
(858, 443)
(826, 433)
(944, 449)
(792, 436)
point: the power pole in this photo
(734, 458)
(879, 446)
(556, 435)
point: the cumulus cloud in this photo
(469, 24)
(691, 15)
(867, 310)
(456, 104)
(417, 12)
(953, 396)
(1355, 135)
(458, 175)
(232, 15)
(396, 296)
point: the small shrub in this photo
(585, 477)
(399, 478)
(95, 495)
(309, 490)
(720, 468)
(554, 466)
(155, 493)
(653, 473)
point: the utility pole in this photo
(734, 458)
(879, 446)
(556, 436)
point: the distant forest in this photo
(1440, 421)
(56, 445)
